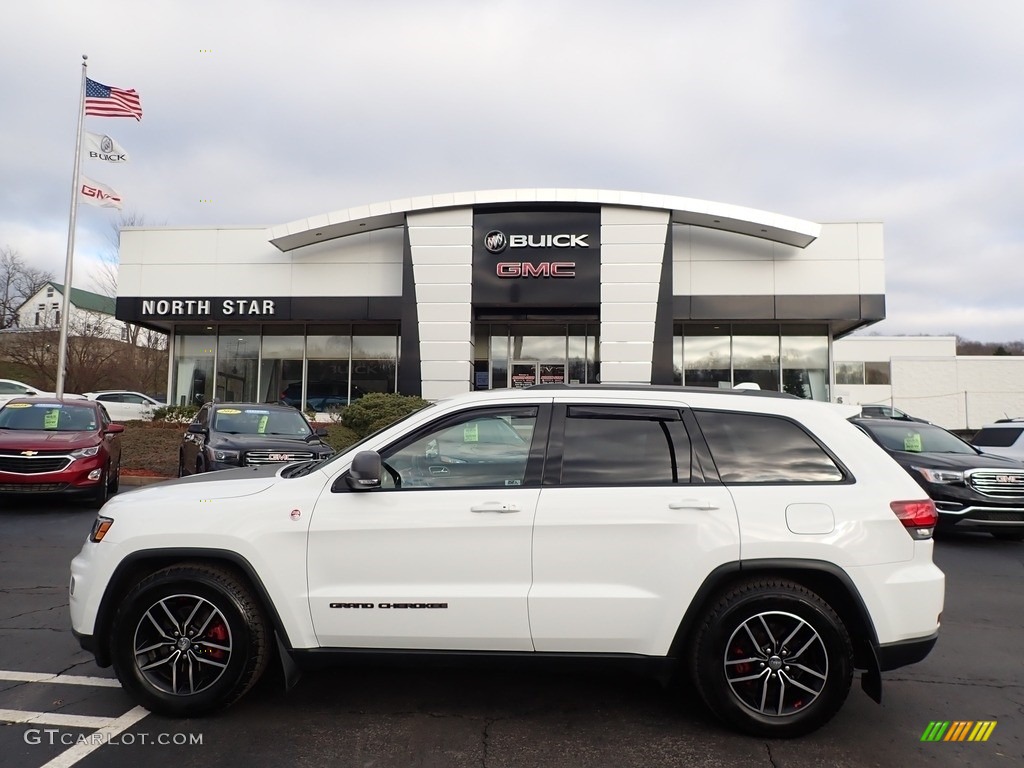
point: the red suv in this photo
(51, 445)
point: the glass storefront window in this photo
(238, 354)
(755, 356)
(877, 373)
(805, 362)
(195, 350)
(374, 359)
(499, 356)
(707, 358)
(849, 373)
(281, 364)
(328, 350)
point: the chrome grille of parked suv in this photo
(1002, 484)
(276, 457)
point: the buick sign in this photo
(495, 241)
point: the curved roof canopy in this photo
(683, 210)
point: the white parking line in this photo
(54, 718)
(105, 728)
(103, 735)
(41, 677)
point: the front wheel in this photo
(189, 639)
(773, 659)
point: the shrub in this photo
(339, 437)
(377, 410)
(178, 414)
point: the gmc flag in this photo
(98, 194)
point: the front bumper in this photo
(71, 480)
(960, 516)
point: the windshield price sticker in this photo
(471, 433)
(262, 426)
(255, 411)
(50, 419)
(912, 443)
(19, 405)
(231, 411)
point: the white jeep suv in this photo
(759, 545)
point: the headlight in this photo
(83, 453)
(941, 476)
(226, 457)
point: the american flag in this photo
(104, 101)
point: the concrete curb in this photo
(136, 481)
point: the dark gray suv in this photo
(226, 435)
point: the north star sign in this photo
(201, 308)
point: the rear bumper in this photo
(905, 652)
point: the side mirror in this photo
(115, 429)
(196, 429)
(364, 474)
(321, 432)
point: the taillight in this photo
(918, 517)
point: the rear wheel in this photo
(773, 659)
(181, 464)
(189, 639)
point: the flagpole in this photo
(62, 347)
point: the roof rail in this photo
(668, 388)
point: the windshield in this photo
(260, 421)
(918, 438)
(49, 417)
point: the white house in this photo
(92, 314)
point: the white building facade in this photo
(923, 376)
(442, 294)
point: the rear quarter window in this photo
(756, 448)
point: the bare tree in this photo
(18, 283)
(105, 281)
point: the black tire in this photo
(102, 491)
(181, 464)
(742, 657)
(114, 482)
(215, 649)
(1008, 535)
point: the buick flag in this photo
(101, 147)
(98, 194)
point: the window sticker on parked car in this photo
(256, 411)
(471, 433)
(231, 411)
(50, 419)
(19, 405)
(261, 428)
(912, 443)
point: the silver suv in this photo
(1004, 438)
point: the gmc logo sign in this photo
(507, 269)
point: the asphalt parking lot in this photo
(57, 708)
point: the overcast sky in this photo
(908, 112)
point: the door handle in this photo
(692, 504)
(495, 506)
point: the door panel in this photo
(626, 531)
(449, 534)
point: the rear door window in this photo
(624, 446)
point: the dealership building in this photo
(444, 294)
